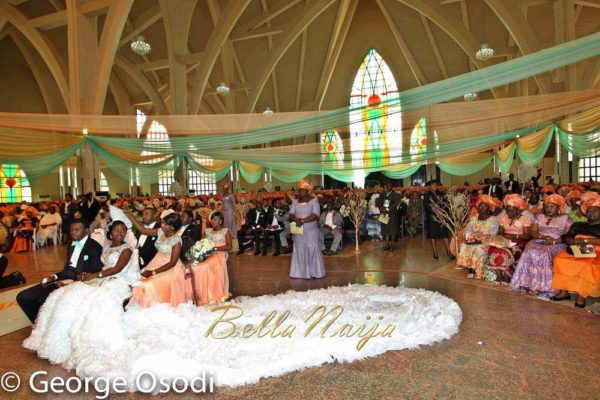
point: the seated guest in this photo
(189, 233)
(580, 275)
(24, 229)
(372, 218)
(282, 210)
(83, 255)
(574, 201)
(534, 270)
(14, 279)
(271, 230)
(48, 226)
(533, 204)
(330, 223)
(515, 225)
(257, 220)
(5, 232)
(209, 282)
(164, 277)
(473, 253)
(146, 248)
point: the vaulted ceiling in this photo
(74, 56)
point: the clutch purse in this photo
(583, 251)
(384, 219)
(295, 229)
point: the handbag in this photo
(295, 229)
(384, 219)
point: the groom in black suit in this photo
(83, 255)
(147, 249)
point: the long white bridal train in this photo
(266, 336)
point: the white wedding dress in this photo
(83, 319)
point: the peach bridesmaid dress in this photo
(209, 283)
(164, 287)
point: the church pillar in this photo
(88, 170)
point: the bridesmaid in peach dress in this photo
(209, 278)
(165, 275)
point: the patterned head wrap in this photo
(592, 200)
(515, 200)
(484, 198)
(573, 194)
(303, 184)
(556, 199)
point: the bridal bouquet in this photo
(201, 250)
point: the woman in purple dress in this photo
(228, 210)
(307, 259)
(534, 270)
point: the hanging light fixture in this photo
(140, 46)
(223, 89)
(470, 96)
(268, 111)
(485, 52)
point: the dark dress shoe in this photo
(556, 298)
(276, 253)
(579, 305)
(257, 252)
(19, 276)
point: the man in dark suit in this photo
(146, 248)
(512, 185)
(89, 207)
(257, 221)
(272, 229)
(495, 189)
(67, 209)
(190, 233)
(83, 255)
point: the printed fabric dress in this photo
(505, 258)
(534, 270)
(209, 283)
(80, 321)
(307, 259)
(228, 211)
(474, 256)
(164, 287)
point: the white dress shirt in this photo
(143, 238)
(77, 253)
(329, 219)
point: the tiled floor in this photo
(509, 346)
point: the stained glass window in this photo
(376, 129)
(418, 139)
(103, 183)
(14, 185)
(332, 147)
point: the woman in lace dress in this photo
(84, 317)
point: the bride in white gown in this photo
(84, 318)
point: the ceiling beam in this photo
(340, 30)
(298, 24)
(508, 11)
(453, 28)
(143, 82)
(59, 18)
(410, 58)
(300, 70)
(588, 3)
(256, 34)
(275, 86)
(591, 75)
(434, 46)
(141, 23)
(44, 47)
(177, 18)
(216, 40)
(122, 98)
(256, 22)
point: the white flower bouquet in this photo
(201, 250)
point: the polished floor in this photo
(509, 346)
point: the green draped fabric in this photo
(219, 173)
(402, 174)
(465, 169)
(505, 165)
(536, 156)
(250, 176)
(587, 145)
(37, 167)
(289, 178)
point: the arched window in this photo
(332, 147)
(14, 185)
(376, 130)
(103, 183)
(158, 137)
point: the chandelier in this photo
(470, 96)
(223, 89)
(484, 52)
(140, 46)
(268, 111)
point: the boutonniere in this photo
(85, 257)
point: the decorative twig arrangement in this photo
(356, 204)
(452, 211)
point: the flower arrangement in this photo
(201, 250)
